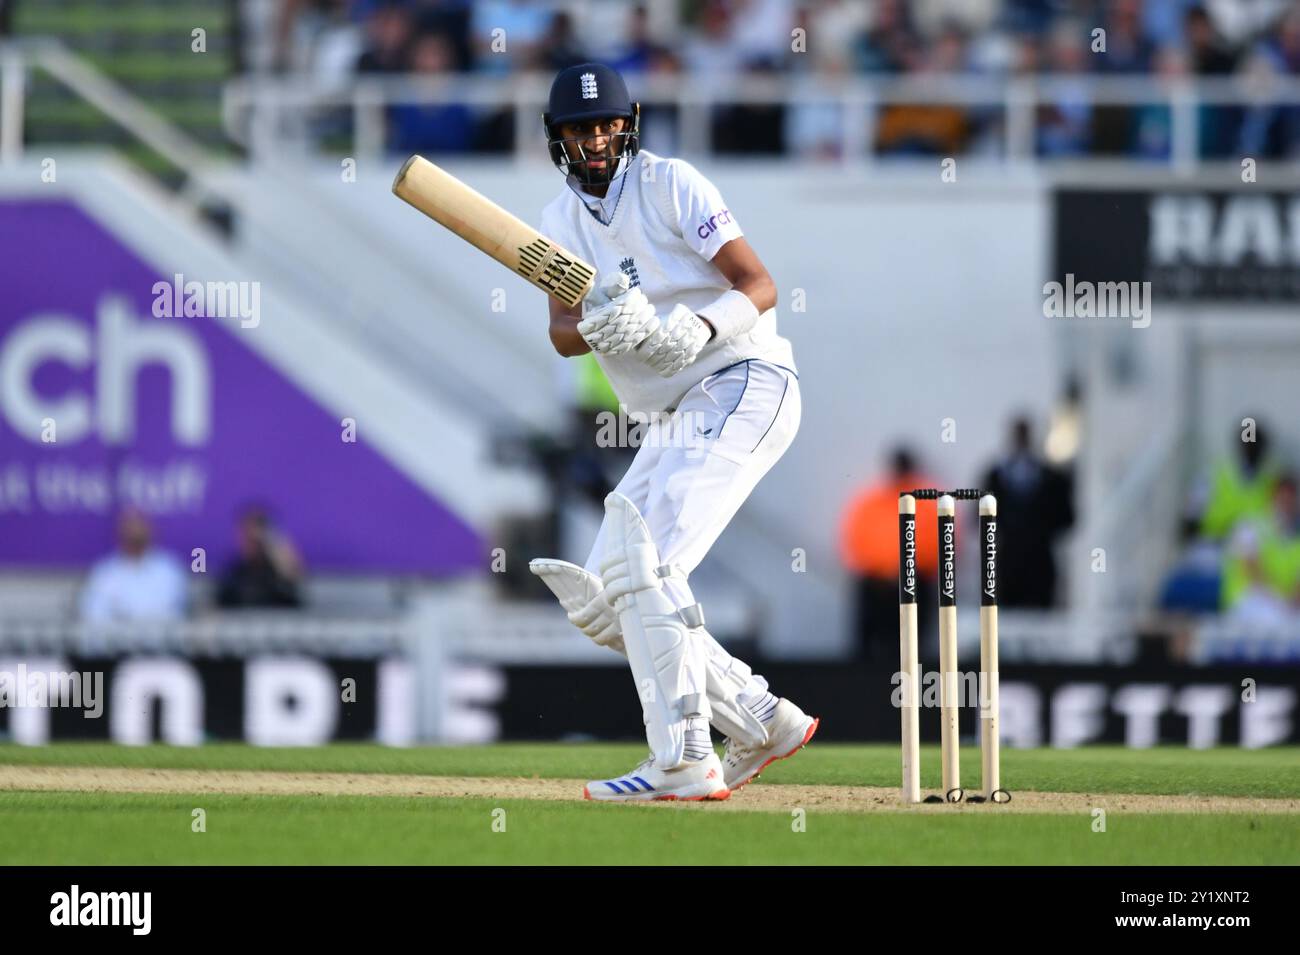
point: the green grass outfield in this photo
(81, 828)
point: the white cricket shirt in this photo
(667, 225)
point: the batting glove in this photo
(677, 343)
(617, 317)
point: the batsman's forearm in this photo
(565, 337)
(759, 289)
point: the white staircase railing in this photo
(18, 58)
(1136, 520)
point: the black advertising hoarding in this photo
(268, 699)
(297, 700)
(1192, 245)
(1040, 706)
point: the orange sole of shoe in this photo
(718, 796)
(807, 737)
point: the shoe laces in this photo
(644, 764)
(736, 751)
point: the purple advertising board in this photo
(104, 405)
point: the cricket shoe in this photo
(788, 732)
(699, 779)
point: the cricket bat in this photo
(482, 223)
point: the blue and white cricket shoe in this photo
(701, 779)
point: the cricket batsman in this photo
(683, 322)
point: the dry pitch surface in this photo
(757, 798)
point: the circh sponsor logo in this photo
(710, 225)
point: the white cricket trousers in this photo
(696, 466)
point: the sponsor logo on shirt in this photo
(710, 225)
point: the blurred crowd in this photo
(141, 580)
(1241, 538)
(722, 42)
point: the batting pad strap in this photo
(692, 704)
(730, 314)
(692, 616)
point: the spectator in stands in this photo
(1164, 22)
(929, 130)
(1152, 122)
(1230, 535)
(869, 551)
(637, 49)
(1035, 507)
(719, 53)
(139, 582)
(507, 35)
(1263, 129)
(723, 42)
(1261, 575)
(388, 38)
(302, 25)
(1065, 119)
(1241, 487)
(1195, 583)
(815, 129)
(431, 127)
(1284, 46)
(760, 30)
(560, 46)
(641, 54)
(1127, 48)
(833, 29)
(891, 43)
(1284, 50)
(1028, 57)
(1211, 56)
(708, 52)
(451, 20)
(267, 572)
(1029, 17)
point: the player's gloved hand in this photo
(599, 622)
(616, 317)
(677, 343)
